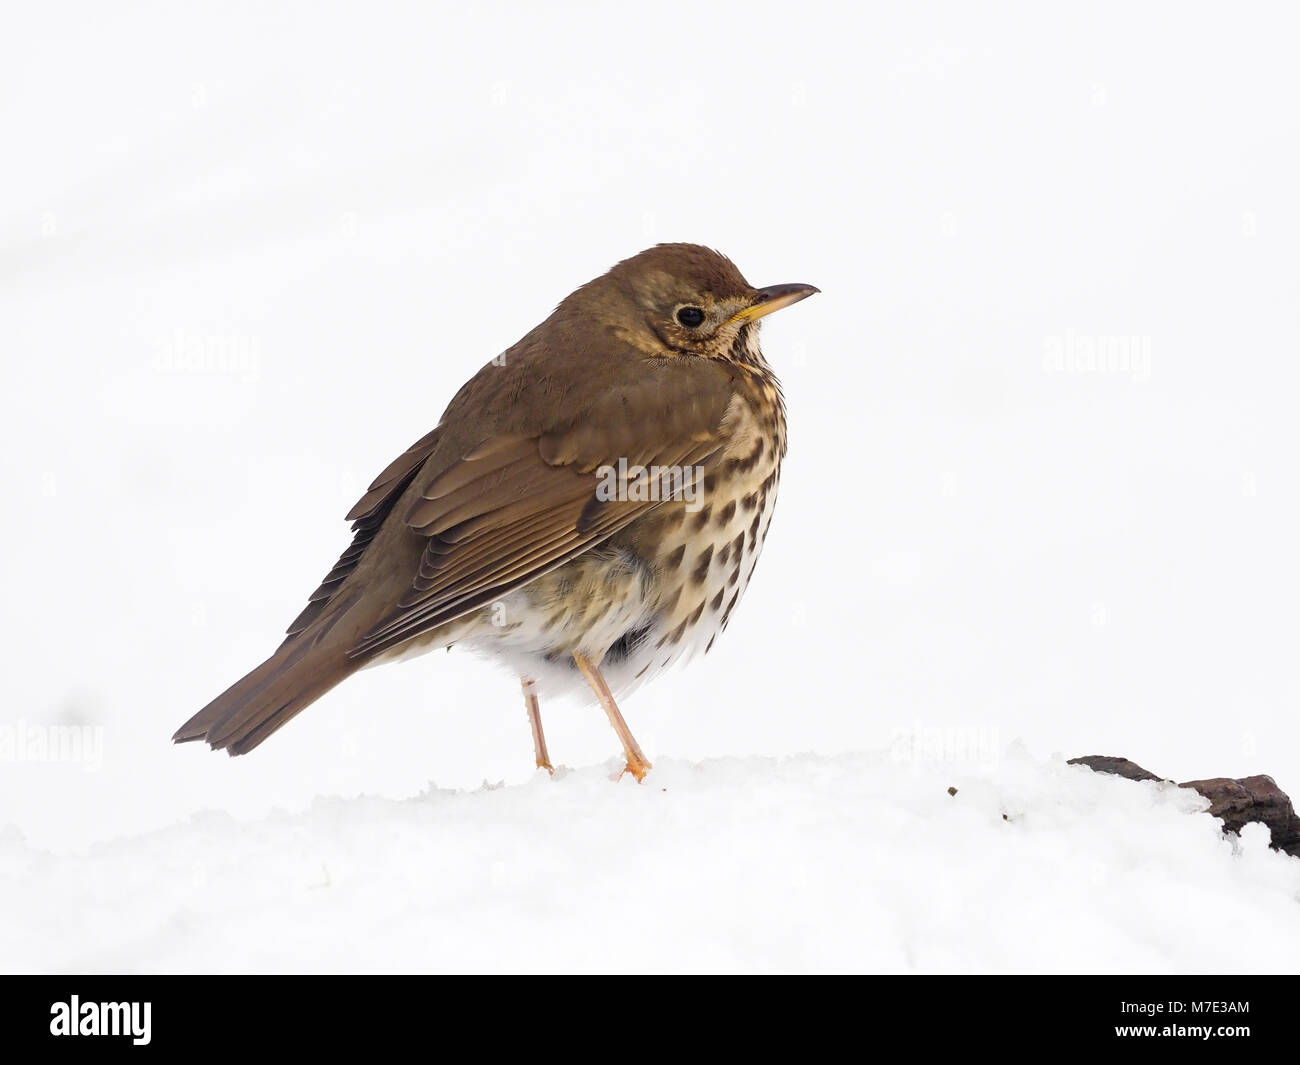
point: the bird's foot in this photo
(638, 767)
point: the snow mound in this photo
(851, 863)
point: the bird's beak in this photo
(772, 299)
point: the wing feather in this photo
(505, 489)
(504, 516)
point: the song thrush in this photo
(591, 505)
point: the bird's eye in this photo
(690, 317)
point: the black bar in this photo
(334, 1013)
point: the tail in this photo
(247, 712)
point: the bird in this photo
(589, 509)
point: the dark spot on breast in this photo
(727, 513)
(702, 516)
(674, 637)
(750, 501)
(702, 566)
(738, 545)
(675, 559)
(696, 614)
(753, 531)
(724, 554)
(746, 464)
(730, 607)
(717, 600)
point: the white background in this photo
(367, 202)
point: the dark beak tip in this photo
(798, 289)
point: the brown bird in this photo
(591, 505)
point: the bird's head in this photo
(685, 300)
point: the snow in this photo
(247, 255)
(854, 863)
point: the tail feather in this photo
(257, 705)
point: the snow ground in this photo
(860, 863)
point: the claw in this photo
(638, 769)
